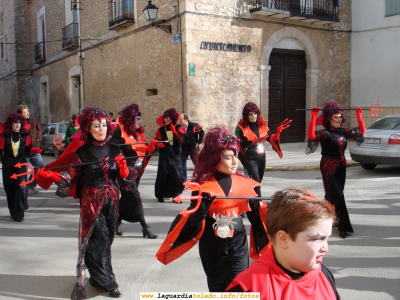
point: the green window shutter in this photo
(392, 7)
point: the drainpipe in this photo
(81, 57)
(180, 31)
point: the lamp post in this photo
(150, 13)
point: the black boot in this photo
(147, 232)
(119, 231)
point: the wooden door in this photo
(287, 91)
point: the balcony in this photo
(120, 13)
(70, 36)
(39, 52)
(310, 11)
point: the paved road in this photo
(38, 256)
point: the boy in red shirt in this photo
(298, 224)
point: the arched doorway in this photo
(295, 49)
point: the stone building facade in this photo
(272, 52)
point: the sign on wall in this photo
(192, 68)
(177, 38)
(231, 47)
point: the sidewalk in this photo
(294, 159)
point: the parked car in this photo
(51, 131)
(381, 145)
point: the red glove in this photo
(172, 127)
(121, 163)
(160, 145)
(311, 128)
(36, 150)
(49, 174)
(285, 124)
(151, 146)
(197, 128)
(360, 120)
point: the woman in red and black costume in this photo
(333, 140)
(15, 146)
(169, 181)
(99, 199)
(218, 223)
(131, 131)
(253, 132)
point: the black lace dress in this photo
(333, 167)
(99, 214)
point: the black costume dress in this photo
(17, 196)
(98, 217)
(333, 167)
(130, 203)
(253, 158)
(169, 181)
(222, 258)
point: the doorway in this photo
(287, 92)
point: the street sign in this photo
(192, 68)
(177, 38)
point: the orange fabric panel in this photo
(165, 255)
(263, 131)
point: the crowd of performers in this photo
(104, 162)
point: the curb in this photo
(314, 168)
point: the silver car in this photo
(381, 145)
(51, 131)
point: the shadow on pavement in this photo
(32, 287)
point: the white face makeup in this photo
(138, 122)
(16, 126)
(336, 120)
(228, 163)
(252, 117)
(99, 130)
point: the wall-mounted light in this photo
(150, 13)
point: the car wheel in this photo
(367, 166)
(56, 152)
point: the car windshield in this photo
(390, 123)
(62, 128)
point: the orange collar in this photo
(249, 134)
(241, 187)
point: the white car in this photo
(381, 145)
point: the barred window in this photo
(392, 7)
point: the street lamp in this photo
(150, 13)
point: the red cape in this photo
(63, 160)
(160, 120)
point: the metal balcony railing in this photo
(324, 10)
(120, 13)
(70, 36)
(39, 52)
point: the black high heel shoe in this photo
(115, 293)
(343, 234)
(147, 232)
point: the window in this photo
(52, 129)
(62, 128)
(392, 7)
